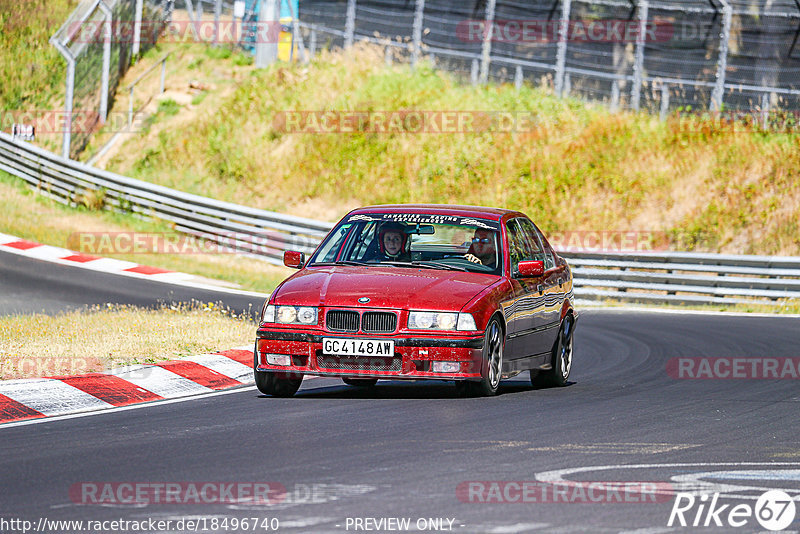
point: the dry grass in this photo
(105, 337)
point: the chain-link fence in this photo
(98, 41)
(632, 54)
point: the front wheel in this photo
(277, 384)
(558, 375)
(492, 365)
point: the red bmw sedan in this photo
(460, 293)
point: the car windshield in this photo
(414, 240)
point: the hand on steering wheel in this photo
(474, 259)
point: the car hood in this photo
(386, 287)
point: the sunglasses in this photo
(483, 240)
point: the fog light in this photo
(279, 359)
(446, 367)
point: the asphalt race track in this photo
(407, 450)
(35, 286)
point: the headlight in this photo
(305, 315)
(287, 314)
(424, 320)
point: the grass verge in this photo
(101, 338)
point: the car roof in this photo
(484, 212)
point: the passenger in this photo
(482, 250)
(393, 242)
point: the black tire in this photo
(561, 363)
(277, 384)
(492, 365)
(360, 382)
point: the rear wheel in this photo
(558, 375)
(492, 365)
(360, 382)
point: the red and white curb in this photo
(63, 256)
(34, 398)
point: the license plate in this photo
(357, 347)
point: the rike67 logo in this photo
(774, 510)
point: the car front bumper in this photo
(413, 357)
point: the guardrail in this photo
(246, 230)
(671, 277)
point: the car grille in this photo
(379, 322)
(359, 363)
(342, 321)
(351, 321)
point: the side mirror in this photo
(530, 269)
(294, 259)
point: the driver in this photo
(482, 250)
(393, 242)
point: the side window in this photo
(331, 248)
(536, 240)
(518, 246)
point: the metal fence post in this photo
(106, 59)
(473, 73)
(664, 102)
(267, 51)
(488, 33)
(561, 53)
(130, 107)
(567, 85)
(217, 17)
(518, 78)
(163, 75)
(419, 14)
(70, 91)
(615, 96)
(722, 64)
(312, 43)
(387, 56)
(764, 111)
(350, 24)
(193, 18)
(638, 65)
(137, 29)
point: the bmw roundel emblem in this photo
(363, 300)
